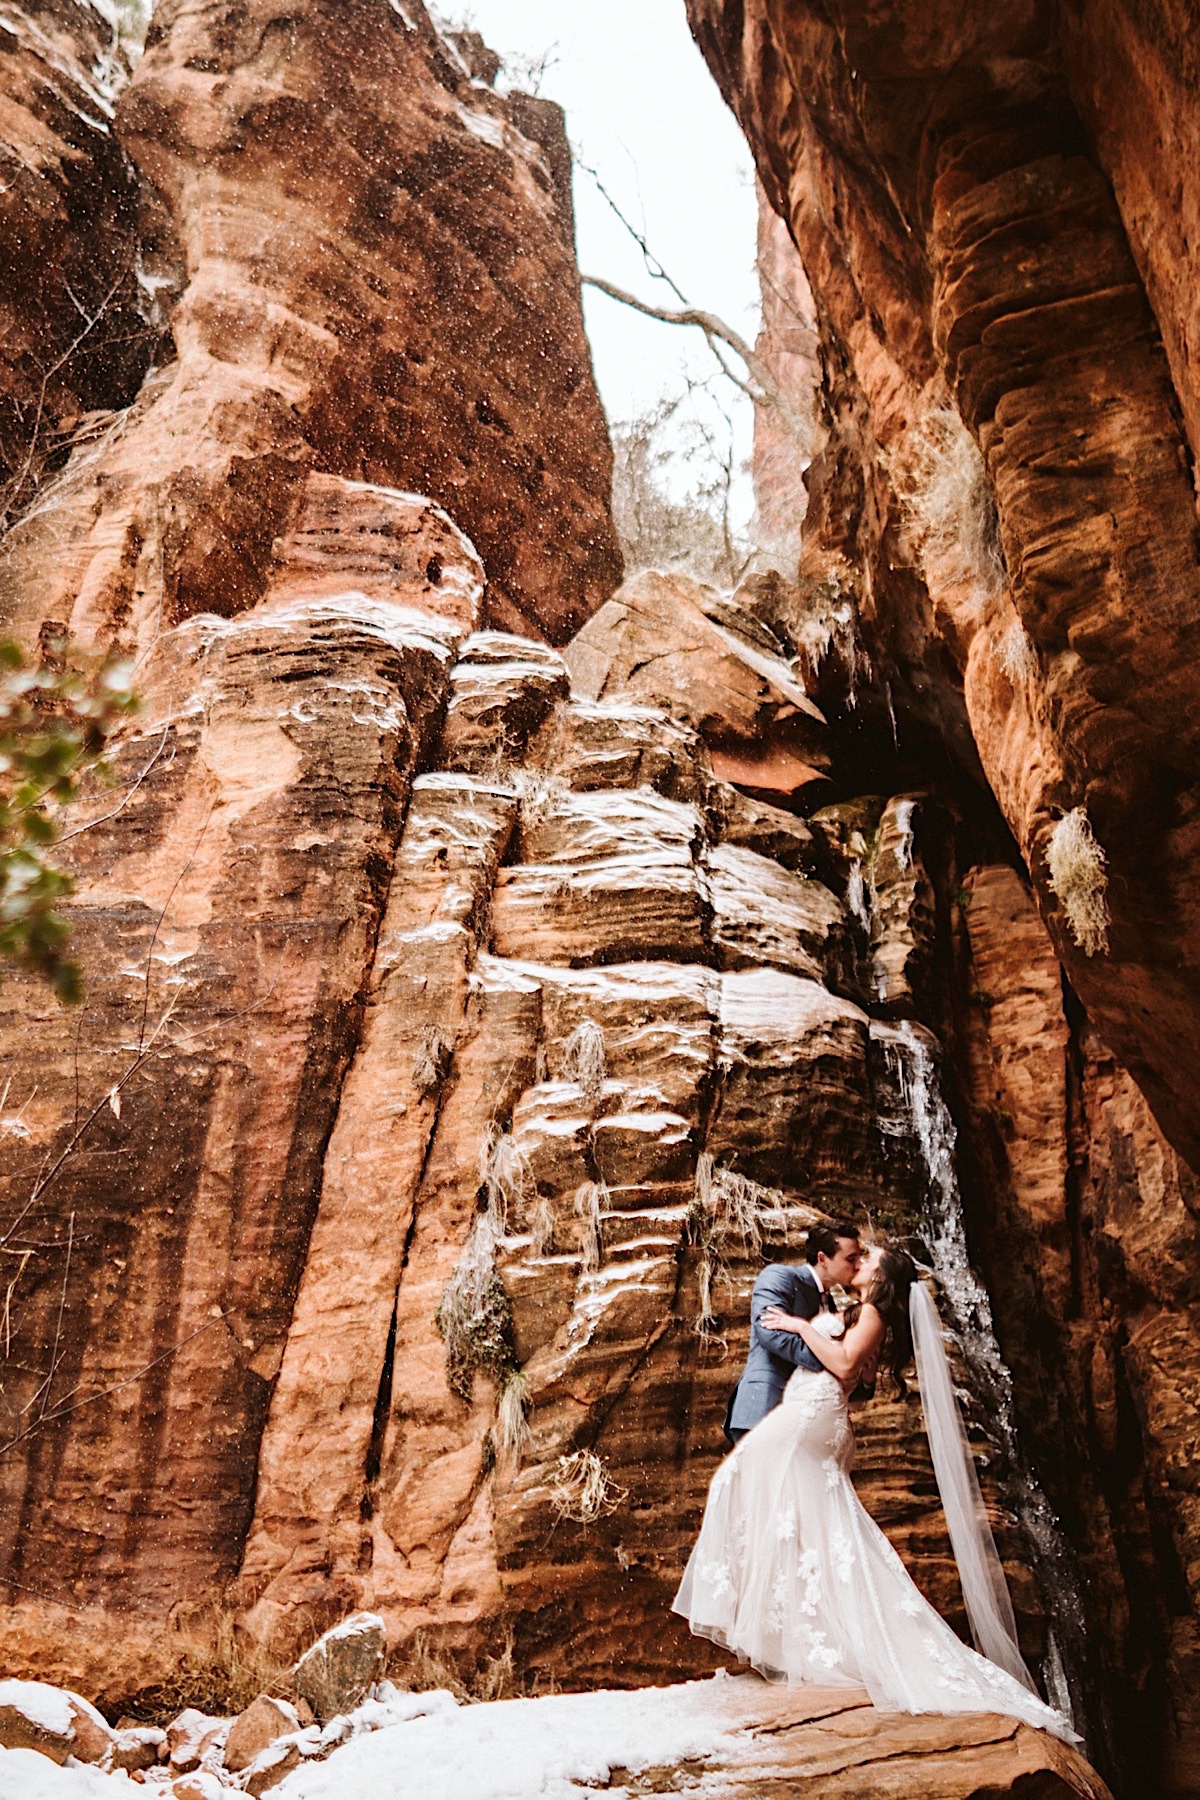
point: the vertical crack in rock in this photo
(379, 1419)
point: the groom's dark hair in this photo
(823, 1239)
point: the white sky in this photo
(644, 111)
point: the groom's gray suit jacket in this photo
(774, 1354)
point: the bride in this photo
(791, 1572)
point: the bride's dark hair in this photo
(889, 1295)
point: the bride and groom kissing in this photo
(790, 1572)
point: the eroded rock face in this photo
(658, 640)
(550, 983)
(379, 283)
(229, 898)
(527, 917)
(75, 326)
(1093, 1248)
(422, 955)
(785, 442)
(967, 252)
(996, 241)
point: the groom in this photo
(832, 1255)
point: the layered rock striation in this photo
(1000, 550)
(980, 298)
(403, 1200)
(373, 277)
(466, 1020)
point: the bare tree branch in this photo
(762, 388)
(63, 1408)
(653, 267)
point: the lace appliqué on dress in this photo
(717, 1577)
(952, 1672)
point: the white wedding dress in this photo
(792, 1573)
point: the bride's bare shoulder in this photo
(871, 1316)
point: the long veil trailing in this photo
(980, 1570)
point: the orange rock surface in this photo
(994, 213)
(967, 251)
(432, 969)
(371, 247)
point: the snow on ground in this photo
(546, 1749)
(554, 1748)
(28, 1775)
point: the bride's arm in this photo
(845, 1357)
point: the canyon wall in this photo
(416, 963)
(73, 314)
(431, 977)
(968, 253)
(488, 964)
(371, 261)
(994, 212)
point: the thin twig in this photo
(78, 1035)
(765, 390)
(13, 487)
(43, 1182)
(654, 267)
(62, 1410)
(224, 1024)
(162, 915)
(125, 798)
(25, 1255)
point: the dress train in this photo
(792, 1574)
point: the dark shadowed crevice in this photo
(383, 1407)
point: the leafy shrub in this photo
(56, 717)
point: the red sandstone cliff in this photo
(967, 249)
(994, 211)
(71, 308)
(421, 955)
(378, 282)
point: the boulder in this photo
(654, 643)
(36, 1716)
(336, 1671)
(138, 1747)
(200, 1785)
(830, 1742)
(192, 1736)
(271, 1765)
(500, 691)
(255, 1730)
